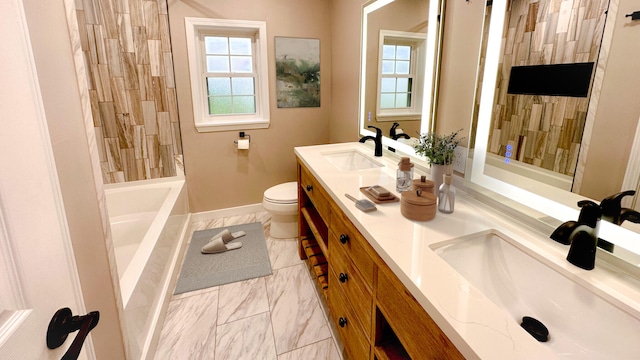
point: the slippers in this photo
(227, 235)
(217, 245)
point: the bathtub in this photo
(149, 222)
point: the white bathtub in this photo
(149, 221)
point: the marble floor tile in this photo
(189, 328)
(295, 312)
(194, 293)
(321, 350)
(283, 252)
(248, 338)
(240, 219)
(242, 299)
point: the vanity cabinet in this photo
(374, 314)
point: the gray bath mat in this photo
(200, 271)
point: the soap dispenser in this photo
(584, 238)
(404, 175)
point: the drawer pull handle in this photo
(342, 322)
(344, 238)
(309, 187)
(343, 277)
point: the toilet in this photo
(281, 201)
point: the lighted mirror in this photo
(398, 62)
(548, 147)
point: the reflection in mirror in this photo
(399, 46)
(536, 148)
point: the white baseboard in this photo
(221, 213)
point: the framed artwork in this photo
(297, 72)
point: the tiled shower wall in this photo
(545, 131)
(127, 54)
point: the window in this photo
(400, 75)
(228, 70)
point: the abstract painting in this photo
(297, 72)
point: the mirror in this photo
(555, 203)
(398, 89)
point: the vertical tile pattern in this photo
(545, 131)
(127, 50)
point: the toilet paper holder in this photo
(242, 136)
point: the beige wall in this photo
(54, 62)
(218, 175)
(618, 110)
(463, 24)
(345, 55)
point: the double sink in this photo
(580, 323)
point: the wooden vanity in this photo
(375, 315)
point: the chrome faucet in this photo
(582, 235)
(377, 140)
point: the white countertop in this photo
(476, 326)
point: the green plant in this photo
(438, 148)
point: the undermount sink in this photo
(581, 324)
(351, 160)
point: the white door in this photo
(37, 269)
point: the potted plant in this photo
(439, 149)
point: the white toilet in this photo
(281, 201)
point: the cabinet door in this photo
(353, 244)
(418, 333)
(316, 193)
(352, 285)
(353, 338)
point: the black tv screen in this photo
(554, 80)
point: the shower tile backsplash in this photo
(127, 54)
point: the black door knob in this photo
(63, 323)
(344, 238)
(342, 322)
(309, 187)
(343, 277)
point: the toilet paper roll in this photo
(243, 144)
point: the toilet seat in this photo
(286, 193)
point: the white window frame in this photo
(417, 41)
(196, 28)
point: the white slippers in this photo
(217, 246)
(227, 235)
(220, 242)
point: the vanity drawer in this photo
(316, 193)
(350, 331)
(350, 242)
(350, 282)
(419, 334)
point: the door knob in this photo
(63, 323)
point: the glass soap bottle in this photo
(404, 175)
(447, 195)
